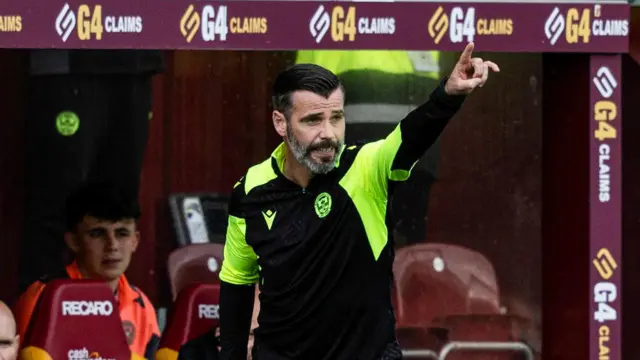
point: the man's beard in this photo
(303, 154)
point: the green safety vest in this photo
(380, 76)
(389, 61)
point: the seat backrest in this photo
(199, 218)
(194, 312)
(434, 280)
(194, 264)
(76, 319)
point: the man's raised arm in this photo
(393, 158)
(237, 286)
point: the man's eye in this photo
(96, 233)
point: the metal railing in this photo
(470, 346)
(421, 353)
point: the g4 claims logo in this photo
(319, 24)
(604, 292)
(578, 26)
(605, 110)
(605, 264)
(212, 22)
(575, 25)
(89, 22)
(605, 82)
(340, 22)
(554, 26)
(460, 24)
(438, 25)
(65, 22)
(189, 23)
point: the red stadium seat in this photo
(76, 319)
(194, 312)
(436, 280)
(194, 264)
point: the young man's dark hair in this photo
(302, 77)
(105, 201)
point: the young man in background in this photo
(102, 235)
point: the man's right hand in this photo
(469, 73)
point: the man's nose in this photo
(327, 130)
(111, 241)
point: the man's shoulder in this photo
(356, 146)
(37, 286)
(30, 295)
(55, 275)
(141, 299)
(29, 299)
(352, 150)
(256, 176)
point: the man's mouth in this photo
(323, 154)
(110, 262)
(325, 151)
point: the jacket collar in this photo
(122, 291)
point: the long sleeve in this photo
(238, 275)
(236, 307)
(392, 158)
(240, 264)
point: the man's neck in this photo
(295, 171)
(113, 284)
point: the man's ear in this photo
(18, 340)
(72, 243)
(136, 241)
(279, 123)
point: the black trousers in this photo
(79, 128)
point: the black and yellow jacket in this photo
(323, 254)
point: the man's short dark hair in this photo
(299, 77)
(104, 201)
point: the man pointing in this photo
(310, 224)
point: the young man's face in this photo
(315, 129)
(103, 248)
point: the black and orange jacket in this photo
(138, 316)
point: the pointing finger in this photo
(492, 66)
(466, 54)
